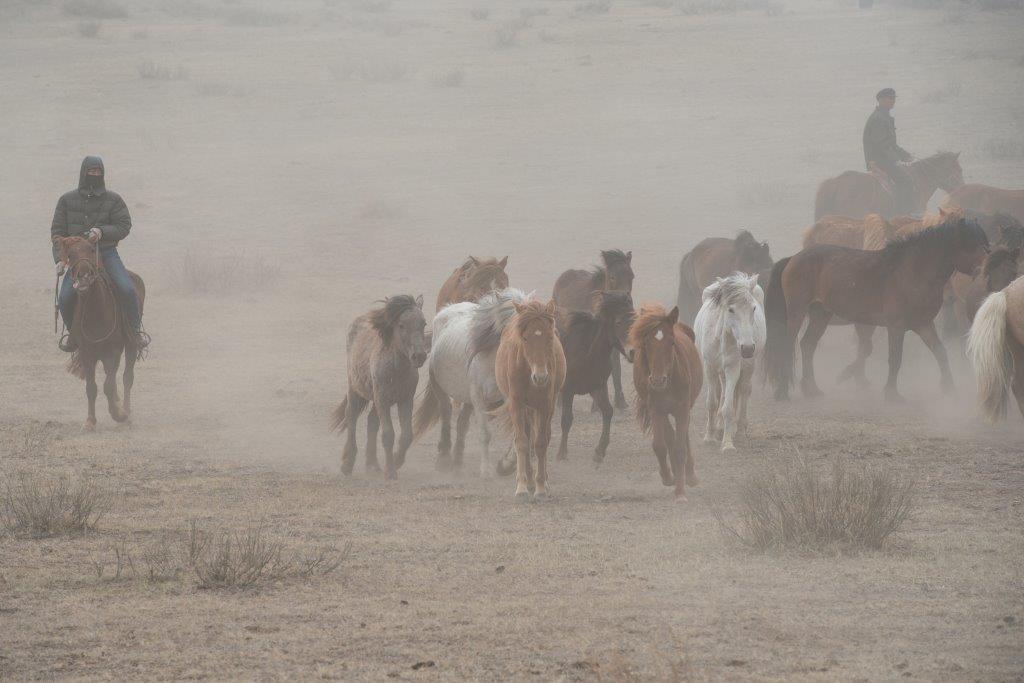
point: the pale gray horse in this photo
(730, 332)
(457, 374)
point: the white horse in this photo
(456, 374)
(730, 331)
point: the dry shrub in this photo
(1004, 149)
(94, 9)
(36, 508)
(254, 17)
(792, 504)
(198, 273)
(89, 29)
(507, 34)
(480, 13)
(151, 71)
(592, 8)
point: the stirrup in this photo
(66, 343)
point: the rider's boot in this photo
(67, 344)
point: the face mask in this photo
(93, 181)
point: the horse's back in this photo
(450, 353)
(987, 199)
(446, 295)
(574, 290)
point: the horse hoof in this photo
(681, 498)
(561, 457)
(620, 404)
(89, 426)
(540, 495)
(668, 480)
(522, 496)
(728, 447)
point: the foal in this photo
(667, 376)
(530, 369)
(386, 348)
(589, 340)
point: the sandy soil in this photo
(344, 151)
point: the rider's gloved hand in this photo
(60, 268)
(95, 234)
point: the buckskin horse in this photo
(899, 287)
(575, 291)
(717, 257)
(857, 194)
(474, 278)
(99, 328)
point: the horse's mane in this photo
(384, 319)
(492, 313)
(731, 290)
(610, 304)
(997, 258)
(744, 237)
(534, 310)
(486, 271)
(945, 230)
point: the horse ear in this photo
(673, 315)
(419, 302)
(519, 308)
(942, 212)
(474, 260)
(550, 308)
(503, 262)
(753, 281)
(629, 257)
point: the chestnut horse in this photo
(530, 369)
(899, 287)
(713, 258)
(386, 348)
(668, 376)
(869, 233)
(858, 194)
(474, 278)
(99, 327)
(574, 291)
(996, 349)
(988, 199)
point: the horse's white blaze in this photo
(537, 333)
(659, 335)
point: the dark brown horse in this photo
(99, 328)
(1000, 269)
(857, 194)
(899, 287)
(386, 348)
(988, 200)
(474, 278)
(589, 340)
(667, 374)
(575, 289)
(717, 257)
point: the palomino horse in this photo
(996, 349)
(529, 367)
(99, 327)
(1000, 270)
(386, 348)
(717, 257)
(474, 278)
(667, 376)
(730, 333)
(899, 287)
(574, 291)
(589, 340)
(858, 194)
(456, 373)
(988, 199)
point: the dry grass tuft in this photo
(40, 509)
(89, 29)
(368, 71)
(1004, 149)
(591, 8)
(198, 273)
(480, 13)
(94, 9)
(254, 17)
(151, 71)
(507, 34)
(793, 505)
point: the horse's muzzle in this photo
(540, 379)
(658, 383)
(419, 358)
(747, 350)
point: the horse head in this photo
(400, 322)
(653, 337)
(483, 276)
(1000, 268)
(751, 256)
(618, 271)
(616, 312)
(737, 300)
(971, 246)
(79, 257)
(535, 327)
(942, 170)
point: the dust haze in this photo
(288, 164)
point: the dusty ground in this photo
(337, 152)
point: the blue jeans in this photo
(124, 290)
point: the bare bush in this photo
(451, 79)
(36, 508)
(254, 17)
(480, 13)
(707, 7)
(94, 9)
(507, 34)
(89, 29)
(180, 9)
(151, 71)
(1004, 149)
(199, 273)
(591, 8)
(792, 504)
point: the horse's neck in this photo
(599, 280)
(930, 261)
(924, 184)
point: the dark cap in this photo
(885, 92)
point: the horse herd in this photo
(495, 352)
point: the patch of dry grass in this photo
(94, 9)
(254, 17)
(793, 504)
(151, 71)
(37, 508)
(1004, 149)
(89, 29)
(199, 273)
(368, 71)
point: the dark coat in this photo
(880, 141)
(90, 207)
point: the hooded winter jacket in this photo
(92, 205)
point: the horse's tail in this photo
(687, 297)
(75, 365)
(503, 419)
(428, 412)
(339, 418)
(824, 199)
(779, 347)
(993, 365)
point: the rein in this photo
(108, 292)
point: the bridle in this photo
(108, 293)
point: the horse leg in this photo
(567, 418)
(130, 357)
(405, 425)
(796, 310)
(372, 431)
(817, 323)
(1017, 352)
(444, 446)
(480, 410)
(620, 398)
(732, 378)
(713, 402)
(541, 439)
(528, 430)
(743, 390)
(461, 427)
(355, 405)
(387, 438)
(930, 337)
(684, 453)
(896, 335)
(111, 363)
(659, 421)
(91, 390)
(856, 368)
(522, 445)
(601, 398)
